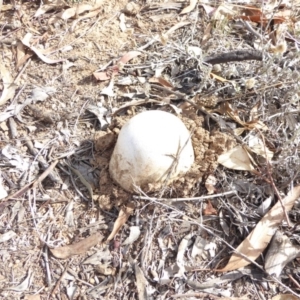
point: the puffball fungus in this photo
(154, 147)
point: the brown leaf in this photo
(161, 81)
(124, 214)
(77, 248)
(209, 210)
(259, 238)
(189, 8)
(115, 69)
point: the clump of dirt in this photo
(207, 148)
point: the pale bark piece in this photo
(124, 214)
(259, 238)
(280, 253)
(141, 283)
(77, 248)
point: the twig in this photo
(185, 199)
(45, 255)
(60, 279)
(272, 180)
(239, 55)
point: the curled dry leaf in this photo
(115, 69)
(124, 214)
(77, 248)
(259, 238)
(45, 59)
(236, 159)
(189, 8)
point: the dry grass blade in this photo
(257, 241)
(77, 248)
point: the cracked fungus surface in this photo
(207, 147)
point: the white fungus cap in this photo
(152, 147)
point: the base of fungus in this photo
(207, 148)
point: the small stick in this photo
(185, 199)
(45, 255)
(272, 181)
(60, 279)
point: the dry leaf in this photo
(38, 52)
(209, 210)
(77, 248)
(124, 214)
(259, 238)
(75, 11)
(257, 146)
(114, 70)
(236, 159)
(9, 87)
(189, 8)
(161, 81)
(280, 252)
(22, 54)
(177, 26)
(233, 114)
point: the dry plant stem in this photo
(239, 55)
(61, 277)
(32, 184)
(221, 239)
(186, 199)
(294, 281)
(272, 180)
(22, 71)
(45, 255)
(198, 295)
(250, 28)
(52, 175)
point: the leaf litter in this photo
(170, 49)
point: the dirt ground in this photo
(72, 74)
